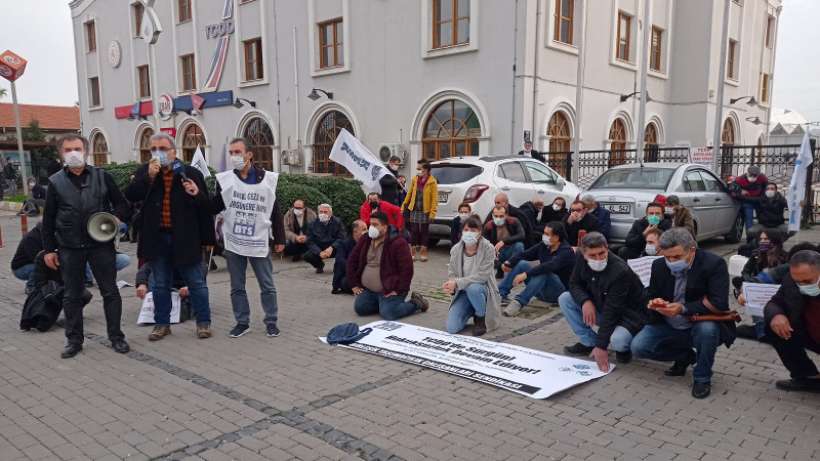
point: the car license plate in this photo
(443, 196)
(618, 208)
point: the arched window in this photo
(560, 143)
(452, 130)
(326, 132)
(727, 140)
(650, 143)
(617, 143)
(260, 137)
(727, 137)
(99, 149)
(192, 138)
(145, 144)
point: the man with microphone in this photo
(75, 193)
(176, 224)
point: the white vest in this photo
(246, 226)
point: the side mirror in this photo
(560, 183)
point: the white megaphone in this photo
(103, 227)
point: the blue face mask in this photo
(160, 155)
(677, 267)
(811, 289)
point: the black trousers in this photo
(315, 260)
(340, 271)
(72, 267)
(293, 249)
(793, 352)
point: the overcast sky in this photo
(45, 39)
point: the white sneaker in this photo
(512, 309)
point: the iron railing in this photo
(592, 163)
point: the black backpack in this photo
(346, 333)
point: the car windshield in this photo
(634, 178)
(455, 173)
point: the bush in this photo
(122, 173)
(19, 198)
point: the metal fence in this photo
(592, 163)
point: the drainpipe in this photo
(537, 52)
(514, 68)
(720, 87)
(579, 91)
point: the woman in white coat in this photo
(471, 281)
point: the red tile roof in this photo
(50, 117)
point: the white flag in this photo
(359, 161)
(797, 186)
(199, 163)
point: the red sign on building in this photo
(12, 66)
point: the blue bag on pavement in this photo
(346, 333)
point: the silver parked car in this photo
(625, 190)
(476, 180)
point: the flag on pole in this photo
(797, 187)
(359, 161)
(199, 162)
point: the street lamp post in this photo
(12, 67)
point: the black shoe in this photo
(320, 269)
(479, 326)
(578, 349)
(701, 390)
(336, 291)
(120, 346)
(213, 266)
(746, 332)
(239, 330)
(799, 385)
(71, 350)
(272, 331)
(623, 357)
(679, 367)
(296, 258)
(499, 274)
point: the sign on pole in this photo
(702, 156)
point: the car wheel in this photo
(736, 233)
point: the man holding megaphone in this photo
(71, 238)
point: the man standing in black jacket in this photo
(176, 224)
(793, 322)
(325, 236)
(684, 283)
(391, 189)
(603, 291)
(530, 152)
(75, 193)
(636, 238)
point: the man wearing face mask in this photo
(538, 216)
(390, 183)
(176, 224)
(380, 270)
(636, 238)
(603, 291)
(464, 212)
(771, 212)
(340, 283)
(752, 185)
(579, 220)
(325, 236)
(652, 239)
(793, 322)
(74, 194)
(507, 236)
(251, 218)
(687, 282)
(374, 203)
(297, 223)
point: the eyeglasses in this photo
(577, 209)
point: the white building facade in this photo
(424, 78)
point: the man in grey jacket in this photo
(297, 222)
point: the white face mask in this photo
(238, 162)
(752, 178)
(499, 221)
(556, 207)
(546, 240)
(811, 289)
(469, 238)
(770, 193)
(464, 216)
(74, 159)
(373, 232)
(596, 265)
(298, 212)
(324, 217)
(650, 250)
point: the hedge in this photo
(345, 195)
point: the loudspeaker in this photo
(103, 227)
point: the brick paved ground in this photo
(294, 398)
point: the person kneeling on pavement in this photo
(685, 284)
(603, 291)
(44, 303)
(793, 322)
(380, 270)
(340, 283)
(471, 283)
(142, 282)
(545, 268)
(507, 236)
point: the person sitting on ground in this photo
(380, 270)
(507, 236)
(685, 282)
(374, 203)
(769, 255)
(752, 185)
(557, 211)
(536, 214)
(601, 214)
(793, 322)
(471, 283)
(340, 284)
(142, 284)
(325, 235)
(297, 223)
(652, 239)
(771, 211)
(603, 291)
(579, 221)
(45, 301)
(679, 214)
(464, 212)
(636, 238)
(501, 199)
(545, 268)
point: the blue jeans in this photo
(510, 251)
(546, 287)
(263, 269)
(390, 308)
(618, 342)
(162, 271)
(467, 303)
(122, 261)
(24, 273)
(748, 210)
(661, 342)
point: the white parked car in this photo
(476, 180)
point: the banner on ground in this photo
(146, 316)
(757, 296)
(528, 372)
(643, 267)
(359, 161)
(797, 187)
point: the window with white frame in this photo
(623, 50)
(564, 21)
(451, 23)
